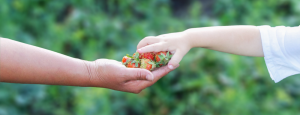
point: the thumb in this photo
(176, 58)
(138, 74)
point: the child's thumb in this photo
(176, 58)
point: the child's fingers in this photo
(147, 41)
(157, 47)
(176, 58)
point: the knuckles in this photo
(139, 75)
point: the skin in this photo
(23, 63)
(240, 40)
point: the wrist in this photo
(91, 73)
(98, 73)
(81, 74)
(189, 37)
(186, 39)
(195, 37)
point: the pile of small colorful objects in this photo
(148, 61)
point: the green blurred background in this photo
(206, 83)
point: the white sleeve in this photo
(281, 47)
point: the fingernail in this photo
(149, 77)
(139, 50)
(171, 66)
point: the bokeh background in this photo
(206, 83)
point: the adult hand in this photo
(113, 75)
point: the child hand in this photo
(173, 42)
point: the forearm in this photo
(22, 63)
(240, 40)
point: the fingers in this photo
(147, 41)
(157, 47)
(138, 74)
(157, 74)
(162, 71)
(176, 58)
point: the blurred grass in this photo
(207, 82)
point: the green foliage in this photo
(207, 82)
